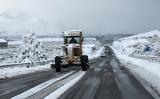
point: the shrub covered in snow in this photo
(31, 50)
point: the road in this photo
(107, 79)
(14, 86)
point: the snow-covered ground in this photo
(2, 40)
(92, 51)
(146, 44)
(51, 47)
(15, 71)
(18, 42)
(135, 53)
(147, 71)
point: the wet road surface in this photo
(107, 79)
(13, 86)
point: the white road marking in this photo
(39, 87)
(57, 93)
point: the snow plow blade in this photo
(64, 65)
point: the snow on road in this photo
(57, 93)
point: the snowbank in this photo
(92, 51)
(15, 71)
(146, 70)
(2, 40)
(132, 52)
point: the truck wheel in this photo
(87, 61)
(58, 63)
(84, 62)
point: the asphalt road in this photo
(14, 86)
(107, 79)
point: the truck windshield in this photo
(72, 40)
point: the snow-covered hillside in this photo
(141, 55)
(147, 44)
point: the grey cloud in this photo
(92, 16)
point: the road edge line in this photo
(57, 93)
(39, 87)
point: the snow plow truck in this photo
(72, 52)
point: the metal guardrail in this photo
(30, 64)
(25, 64)
(151, 58)
(33, 64)
(144, 57)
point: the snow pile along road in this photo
(92, 48)
(92, 51)
(15, 71)
(142, 45)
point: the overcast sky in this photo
(92, 16)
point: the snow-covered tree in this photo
(31, 50)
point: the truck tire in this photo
(58, 63)
(84, 62)
(87, 61)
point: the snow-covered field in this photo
(136, 52)
(51, 47)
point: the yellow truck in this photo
(72, 52)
